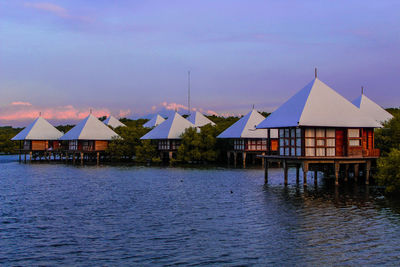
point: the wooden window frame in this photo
(316, 139)
(354, 138)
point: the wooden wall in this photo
(101, 145)
(39, 145)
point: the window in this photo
(256, 145)
(238, 144)
(163, 145)
(320, 142)
(73, 145)
(290, 142)
(354, 137)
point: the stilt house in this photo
(371, 108)
(156, 120)
(199, 119)
(40, 135)
(89, 135)
(246, 139)
(113, 122)
(168, 134)
(319, 126)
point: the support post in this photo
(244, 159)
(73, 158)
(285, 170)
(25, 157)
(82, 155)
(19, 157)
(297, 173)
(228, 154)
(66, 157)
(337, 169)
(30, 157)
(367, 171)
(98, 158)
(356, 171)
(315, 177)
(234, 158)
(346, 174)
(305, 170)
(265, 160)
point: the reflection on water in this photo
(54, 214)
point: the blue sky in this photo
(131, 58)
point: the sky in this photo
(131, 58)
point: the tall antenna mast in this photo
(189, 92)
(362, 90)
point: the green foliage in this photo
(6, 145)
(198, 146)
(388, 137)
(64, 128)
(103, 118)
(147, 152)
(389, 171)
(125, 148)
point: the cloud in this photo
(22, 111)
(180, 107)
(56, 10)
(49, 7)
(20, 103)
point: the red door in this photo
(339, 143)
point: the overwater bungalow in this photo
(372, 109)
(168, 135)
(156, 120)
(319, 128)
(246, 139)
(113, 122)
(199, 119)
(88, 138)
(40, 138)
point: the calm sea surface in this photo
(53, 214)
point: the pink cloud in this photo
(56, 10)
(20, 103)
(21, 111)
(124, 113)
(180, 107)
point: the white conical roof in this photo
(199, 119)
(113, 122)
(371, 108)
(90, 128)
(40, 129)
(156, 120)
(246, 128)
(318, 105)
(172, 128)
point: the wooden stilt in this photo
(82, 155)
(297, 173)
(98, 158)
(234, 158)
(66, 157)
(356, 171)
(265, 160)
(244, 159)
(25, 157)
(337, 169)
(73, 158)
(228, 154)
(346, 173)
(30, 157)
(315, 177)
(285, 170)
(19, 157)
(305, 170)
(367, 171)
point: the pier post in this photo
(73, 158)
(315, 178)
(297, 173)
(305, 170)
(285, 170)
(367, 171)
(98, 158)
(228, 154)
(265, 160)
(346, 174)
(30, 157)
(66, 157)
(19, 157)
(244, 160)
(356, 171)
(234, 158)
(82, 158)
(337, 169)
(24, 157)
